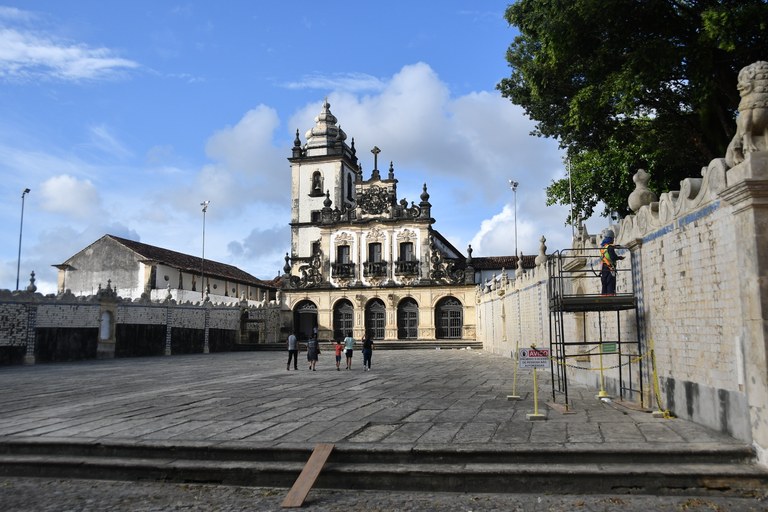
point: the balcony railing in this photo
(375, 268)
(407, 267)
(343, 270)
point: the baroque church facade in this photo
(361, 260)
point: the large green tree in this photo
(628, 84)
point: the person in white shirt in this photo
(349, 344)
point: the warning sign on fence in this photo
(534, 358)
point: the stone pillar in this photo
(168, 329)
(747, 193)
(29, 355)
(207, 307)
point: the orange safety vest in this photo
(605, 256)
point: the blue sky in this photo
(122, 117)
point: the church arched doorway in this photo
(407, 319)
(375, 319)
(449, 318)
(305, 319)
(342, 319)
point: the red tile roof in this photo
(190, 263)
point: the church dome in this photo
(325, 132)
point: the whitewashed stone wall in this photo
(700, 261)
(67, 315)
(13, 325)
(141, 314)
(23, 312)
(514, 313)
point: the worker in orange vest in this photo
(609, 258)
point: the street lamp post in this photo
(204, 204)
(21, 228)
(513, 185)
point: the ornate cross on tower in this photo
(375, 152)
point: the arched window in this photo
(105, 325)
(316, 187)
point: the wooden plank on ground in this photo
(309, 474)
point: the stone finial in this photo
(519, 271)
(32, 288)
(287, 266)
(642, 195)
(542, 257)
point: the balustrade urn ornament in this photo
(542, 256)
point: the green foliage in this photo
(627, 84)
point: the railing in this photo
(375, 268)
(581, 268)
(343, 270)
(406, 267)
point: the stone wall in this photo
(699, 260)
(66, 327)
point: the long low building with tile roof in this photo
(136, 269)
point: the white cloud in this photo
(242, 147)
(103, 139)
(70, 196)
(14, 14)
(25, 55)
(350, 82)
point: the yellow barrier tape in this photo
(634, 360)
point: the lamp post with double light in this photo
(204, 204)
(21, 229)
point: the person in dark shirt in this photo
(313, 350)
(293, 352)
(367, 351)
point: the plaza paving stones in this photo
(416, 397)
(412, 401)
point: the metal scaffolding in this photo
(573, 273)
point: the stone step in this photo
(705, 470)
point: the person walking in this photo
(349, 344)
(339, 348)
(367, 352)
(609, 258)
(293, 352)
(313, 351)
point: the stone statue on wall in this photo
(642, 195)
(752, 123)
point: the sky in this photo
(121, 117)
